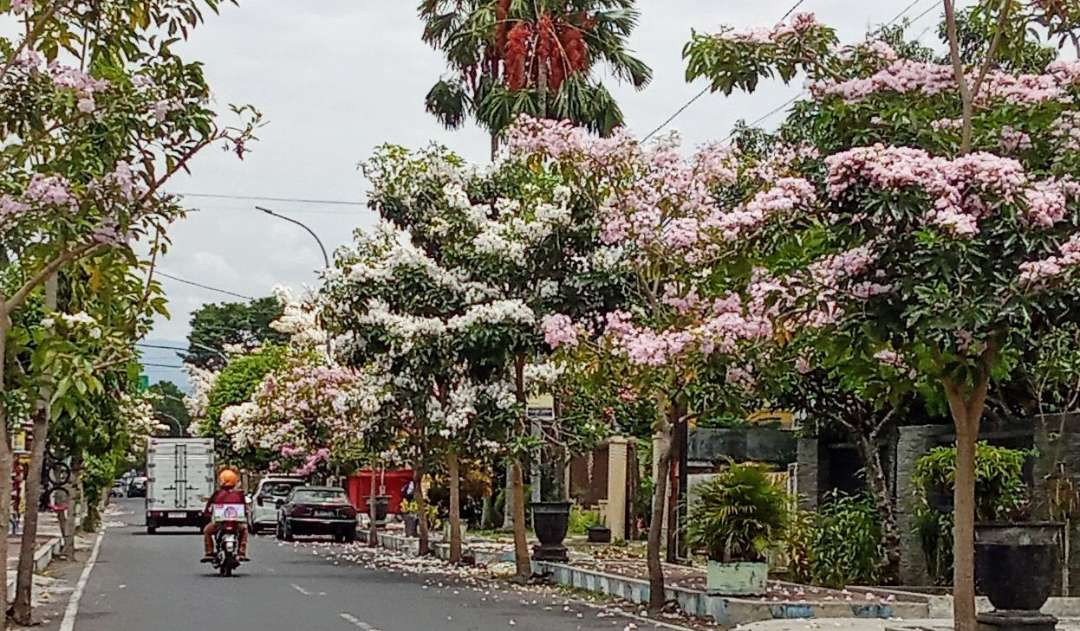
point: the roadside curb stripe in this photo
(72, 611)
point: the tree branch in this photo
(960, 75)
(31, 36)
(51, 268)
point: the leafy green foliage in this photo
(169, 407)
(1000, 493)
(582, 520)
(245, 324)
(739, 515)
(235, 385)
(845, 544)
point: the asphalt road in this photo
(154, 583)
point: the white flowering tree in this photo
(522, 232)
(400, 315)
(948, 214)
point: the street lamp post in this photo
(322, 248)
(326, 258)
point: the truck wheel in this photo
(350, 536)
(151, 530)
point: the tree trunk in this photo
(69, 516)
(878, 484)
(373, 530)
(508, 498)
(6, 465)
(455, 506)
(657, 596)
(22, 607)
(521, 543)
(966, 412)
(487, 515)
(517, 485)
(421, 508)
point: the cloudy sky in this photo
(336, 78)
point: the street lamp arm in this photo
(326, 257)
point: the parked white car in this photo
(263, 503)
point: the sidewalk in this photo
(48, 544)
(861, 624)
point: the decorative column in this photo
(618, 460)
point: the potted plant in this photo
(411, 519)
(738, 517)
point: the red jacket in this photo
(225, 496)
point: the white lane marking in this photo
(72, 611)
(300, 589)
(356, 622)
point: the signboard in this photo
(229, 512)
(540, 408)
(144, 383)
(18, 441)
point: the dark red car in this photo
(316, 510)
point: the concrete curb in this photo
(43, 556)
(722, 609)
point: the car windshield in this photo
(324, 496)
(278, 489)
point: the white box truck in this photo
(180, 479)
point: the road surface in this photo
(146, 582)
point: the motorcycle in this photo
(227, 539)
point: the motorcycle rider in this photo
(228, 493)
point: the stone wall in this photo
(811, 466)
(913, 442)
(1056, 485)
(741, 444)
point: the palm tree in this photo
(536, 57)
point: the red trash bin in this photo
(359, 488)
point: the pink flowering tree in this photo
(684, 233)
(98, 114)
(948, 218)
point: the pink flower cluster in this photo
(1014, 140)
(10, 207)
(905, 76)
(785, 197)
(741, 377)
(1041, 273)
(1065, 131)
(18, 7)
(960, 187)
(801, 24)
(49, 190)
(312, 462)
(560, 139)
(559, 330)
(1047, 201)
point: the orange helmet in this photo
(228, 478)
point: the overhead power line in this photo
(202, 286)
(161, 346)
(152, 365)
(294, 200)
(697, 96)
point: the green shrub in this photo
(845, 542)
(1000, 494)
(740, 514)
(797, 538)
(581, 520)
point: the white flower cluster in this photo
(497, 312)
(540, 377)
(202, 382)
(73, 321)
(298, 320)
(236, 420)
(460, 410)
(510, 236)
(138, 412)
(398, 251)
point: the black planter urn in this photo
(599, 534)
(412, 525)
(1015, 567)
(551, 520)
(382, 507)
